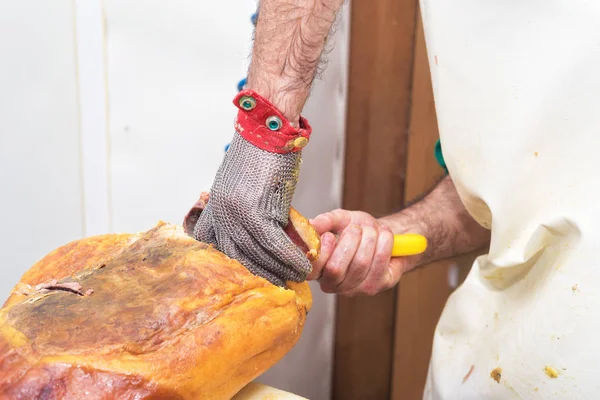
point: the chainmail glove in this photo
(251, 197)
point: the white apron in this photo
(517, 89)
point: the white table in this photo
(256, 391)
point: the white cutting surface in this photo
(257, 391)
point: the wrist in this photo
(289, 102)
(408, 221)
(263, 125)
(442, 218)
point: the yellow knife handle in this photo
(409, 244)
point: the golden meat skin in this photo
(156, 315)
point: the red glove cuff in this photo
(262, 124)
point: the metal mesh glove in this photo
(248, 208)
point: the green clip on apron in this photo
(517, 90)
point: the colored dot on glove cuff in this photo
(274, 123)
(247, 103)
(300, 142)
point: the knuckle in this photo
(369, 240)
(378, 280)
(351, 236)
(353, 229)
(334, 272)
(361, 262)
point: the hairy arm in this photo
(442, 218)
(289, 41)
(356, 247)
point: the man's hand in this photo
(248, 208)
(356, 248)
(251, 196)
(355, 254)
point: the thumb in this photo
(335, 221)
(322, 223)
(400, 265)
(395, 270)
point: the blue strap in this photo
(241, 84)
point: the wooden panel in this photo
(422, 293)
(381, 62)
(422, 169)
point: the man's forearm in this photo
(289, 41)
(443, 219)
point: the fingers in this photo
(363, 260)
(328, 222)
(358, 262)
(378, 279)
(337, 220)
(336, 268)
(328, 243)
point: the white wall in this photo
(172, 74)
(40, 166)
(155, 81)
